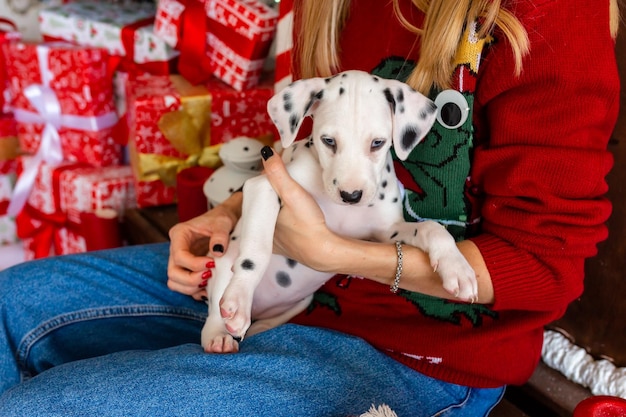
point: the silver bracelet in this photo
(396, 282)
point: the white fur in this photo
(357, 118)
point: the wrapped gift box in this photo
(238, 38)
(124, 28)
(63, 102)
(8, 33)
(75, 208)
(174, 125)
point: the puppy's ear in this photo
(413, 116)
(290, 106)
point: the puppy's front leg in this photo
(458, 277)
(259, 213)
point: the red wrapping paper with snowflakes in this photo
(75, 208)
(8, 33)
(160, 105)
(62, 98)
(238, 36)
(125, 29)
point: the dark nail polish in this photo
(266, 152)
(218, 248)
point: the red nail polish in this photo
(210, 264)
(203, 284)
(207, 274)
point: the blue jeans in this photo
(101, 334)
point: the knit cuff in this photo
(520, 280)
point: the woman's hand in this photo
(301, 231)
(196, 242)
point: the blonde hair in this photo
(444, 23)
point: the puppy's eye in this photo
(377, 144)
(452, 109)
(330, 142)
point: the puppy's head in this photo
(357, 117)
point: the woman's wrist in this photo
(232, 205)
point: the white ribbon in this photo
(48, 111)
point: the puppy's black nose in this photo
(351, 198)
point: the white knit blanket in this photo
(600, 376)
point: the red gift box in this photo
(174, 125)
(247, 26)
(8, 33)
(124, 29)
(75, 208)
(63, 101)
(238, 36)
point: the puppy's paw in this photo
(221, 344)
(235, 309)
(459, 278)
(215, 339)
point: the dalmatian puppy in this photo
(346, 166)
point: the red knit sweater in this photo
(537, 180)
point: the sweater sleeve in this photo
(541, 156)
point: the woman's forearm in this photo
(378, 261)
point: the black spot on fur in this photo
(341, 91)
(233, 238)
(393, 235)
(287, 103)
(388, 168)
(390, 99)
(415, 232)
(293, 122)
(409, 137)
(292, 263)
(283, 279)
(400, 95)
(247, 264)
(319, 95)
(395, 200)
(376, 79)
(381, 196)
(344, 75)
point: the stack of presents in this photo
(115, 100)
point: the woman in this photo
(515, 169)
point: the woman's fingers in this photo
(276, 172)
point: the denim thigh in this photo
(287, 371)
(65, 308)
